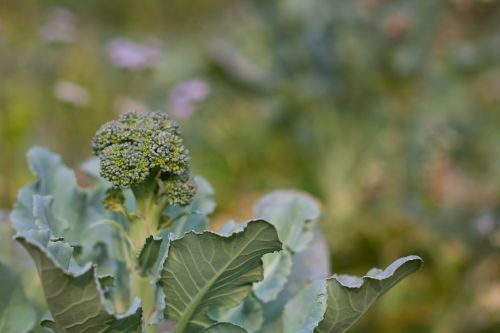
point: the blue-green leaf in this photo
(292, 213)
(55, 204)
(309, 265)
(277, 267)
(16, 313)
(303, 313)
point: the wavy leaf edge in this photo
(20, 237)
(374, 273)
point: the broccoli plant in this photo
(130, 250)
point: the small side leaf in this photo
(74, 300)
(349, 296)
(148, 255)
(204, 270)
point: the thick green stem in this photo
(146, 292)
(148, 214)
(145, 223)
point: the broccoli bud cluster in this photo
(114, 200)
(139, 146)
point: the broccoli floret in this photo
(137, 148)
(178, 190)
(114, 200)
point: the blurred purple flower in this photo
(133, 56)
(71, 93)
(185, 97)
(485, 224)
(59, 26)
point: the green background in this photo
(387, 111)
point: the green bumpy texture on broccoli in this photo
(138, 146)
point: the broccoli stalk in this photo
(144, 152)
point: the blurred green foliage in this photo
(386, 110)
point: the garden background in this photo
(387, 111)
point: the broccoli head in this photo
(139, 147)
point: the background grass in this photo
(387, 111)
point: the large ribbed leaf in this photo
(348, 297)
(203, 270)
(74, 300)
